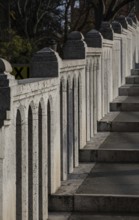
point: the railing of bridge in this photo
(47, 119)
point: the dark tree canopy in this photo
(41, 22)
(106, 10)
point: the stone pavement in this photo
(106, 184)
(83, 216)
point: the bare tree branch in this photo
(117, 8)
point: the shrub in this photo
(16, 49)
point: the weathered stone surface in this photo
(135, 71)
(61, 203)
(117, 27)
(112, 147)
(132, 80)
(109, 155)
(103, 216)
(123, 21)
(90, 216)
(133, 17)
(75, 47)
(5, 66)
(125, 104)
(109, 203)
(94, 39)
(5, 92)
(59, 216)
(106, 30)
(129, 90)
(59, 107)
(122, 122)
(104, 190)
(44, 64)
(129, 20)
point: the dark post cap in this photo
(106, 30)
(44, 63)
(133, 17)
(117, 27)
(94, 39)
(129, 20)
(74, 48)
(123, 21)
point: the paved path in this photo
(106, 184)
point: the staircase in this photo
(106, 184)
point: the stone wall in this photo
(46, 119)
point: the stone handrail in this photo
(46, 119)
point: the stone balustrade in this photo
(46, 119)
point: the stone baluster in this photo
(70, 125)
(63, 107)
(35, 164)
(24, 127)
(88, 102)
(76, 122)
(95, 96)
(44, 163)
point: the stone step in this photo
(135, 71)
(132, 79)
(90, 216)
(129, 90)
(136, 66)
(59, 215)
(108, 187)
(114, 156)
(95, 203)
(112, 147)
(125, 103)
(119, 122)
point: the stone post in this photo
(117, 27)
(74, 48)
(107, 33)
(135, 24)
(45, 63)
(133, 17)
(117, 58)
(123, 21)
(5, 93)
(133, 34)
(94, 40)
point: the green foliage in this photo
(16, 49)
